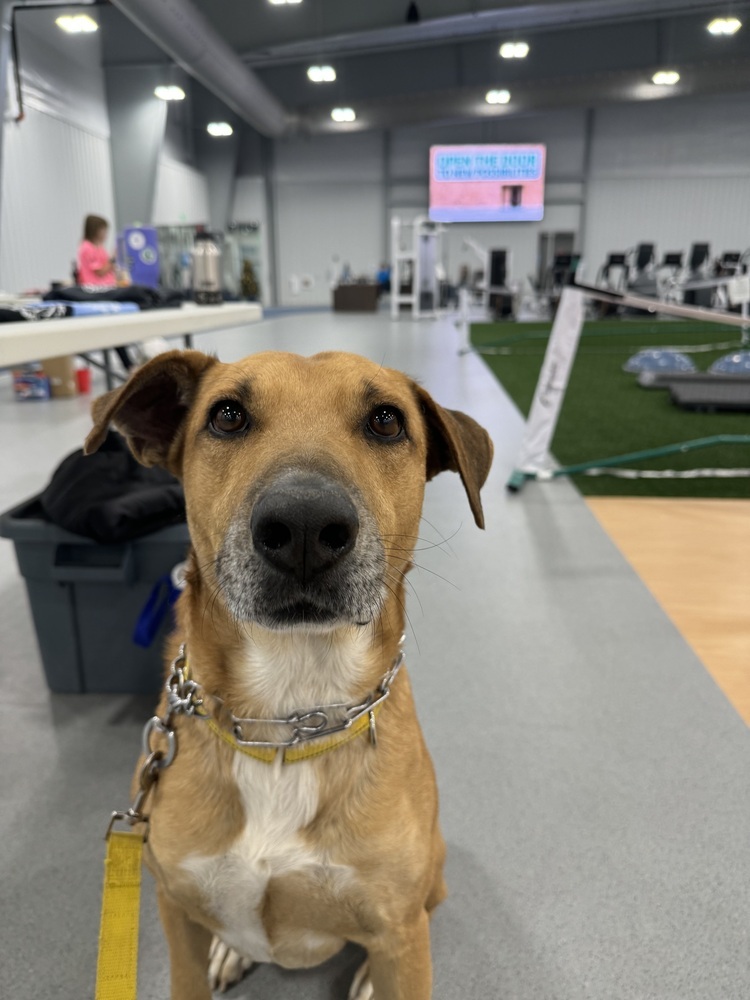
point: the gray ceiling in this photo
(583, 53)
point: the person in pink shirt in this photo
(95, 266)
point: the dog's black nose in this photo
(303, 525)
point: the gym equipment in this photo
(672, 260)
(717, 392)
(613, 272)
(641, 276)
(736, 364)
(493, 281)
(659, 360)
(668, 274)
(643, 257)
(699, 256)
(562, 272)
(415, 253)
(500, 295)
(730, 261)
(698, 267)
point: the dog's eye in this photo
(228, 417)
(386, 422)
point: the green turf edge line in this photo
(518, 476)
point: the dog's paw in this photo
(225, 966)
(361, 988)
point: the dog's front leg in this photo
(189, 945)
(401, 967)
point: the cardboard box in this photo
(61, 373)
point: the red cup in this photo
(83, 379)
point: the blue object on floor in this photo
(737, 363)
(659, 360)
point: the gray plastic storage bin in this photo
(86, 598)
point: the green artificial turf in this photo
(606, 412)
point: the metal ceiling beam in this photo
(180, 29)
(454, 106)
(436, 31)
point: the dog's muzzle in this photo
(311, 555)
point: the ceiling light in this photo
(219, 128)
(666, 77)
(724, 25)
(284, 3)
(169, 93)
(497, 96)
(76, 24)
(343, 114)
(321, 74)
(514, 50)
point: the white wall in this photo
(328, 194)
(250, 205)
(181, 195)
(56, 162)
(671, 172)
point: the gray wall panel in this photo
(56, 163)
(43, 209)
(181, 196)
(672, 172)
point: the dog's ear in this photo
(150, 408)
(457, 443)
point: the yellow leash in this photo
(117, 968)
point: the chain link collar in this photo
(186, 696)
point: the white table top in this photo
(35, 340)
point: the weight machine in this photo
(415, 257)
(493, 288)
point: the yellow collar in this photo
(293, 754)
(313, 733)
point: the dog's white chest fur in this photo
(279, 801)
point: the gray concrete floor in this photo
(593, 778)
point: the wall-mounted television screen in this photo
(487, 183)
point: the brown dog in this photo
(304, 480)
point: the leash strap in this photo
(117, 968)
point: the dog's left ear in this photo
(149, 410)
(457, 443)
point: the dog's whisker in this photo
(438, 532)
(403, 608)
(428, 543)
(432, 572)
(402, 577)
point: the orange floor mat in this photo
(694, 556)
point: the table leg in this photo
(110, 376)
(102, 366)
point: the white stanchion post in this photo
(550, 390)
(462, 320)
